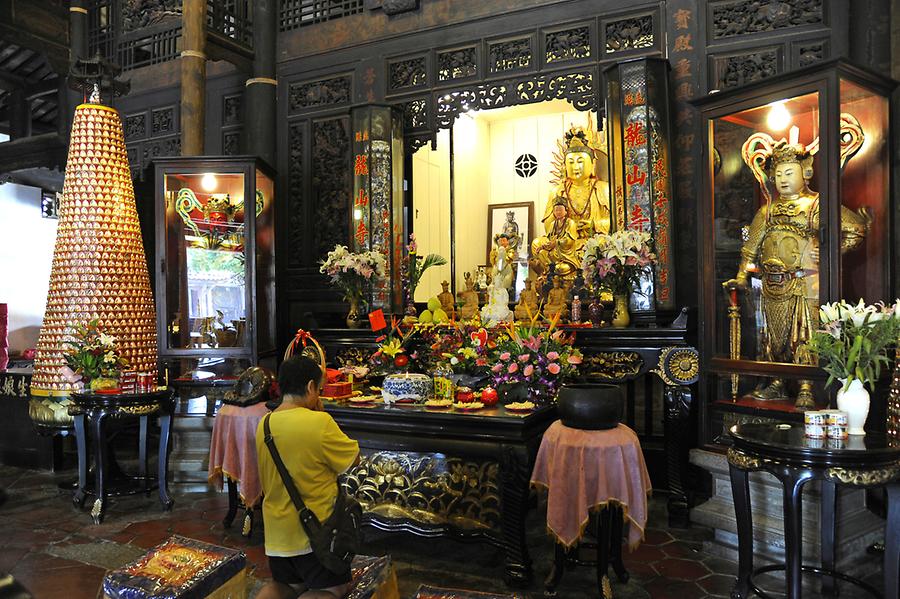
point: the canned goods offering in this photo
(815, 417)
(836, 418)
(815, 431)
(837, 431)
(146, 382)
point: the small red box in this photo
(338, 389)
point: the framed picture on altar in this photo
(516, 217)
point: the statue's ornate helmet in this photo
(788, 153)
(577, 140)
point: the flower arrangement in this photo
(416, 265)
(616, 261)
(93, 353)
(353, 272)
(541, 359)
(854, 340)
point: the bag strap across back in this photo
(305, 512)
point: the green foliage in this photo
(93, 353)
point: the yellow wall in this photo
(431, 218)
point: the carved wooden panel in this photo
(729, 18)
(510, 55)
(135, 126)
(810, 52)
(231, 142)
(740, 69)
(137, 14)
(296, 192)
(632, 33)
(415, 114)
(407, 74)
(231, 109)
(567, 44)
(162, 121)
(330, 184)
(457, 64)
(335, 91)
(170, 146)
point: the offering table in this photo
(442, 473)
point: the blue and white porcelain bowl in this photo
(407, 386)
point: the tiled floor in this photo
(56, 551)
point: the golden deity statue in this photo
(586, 200)
(529, 302)
(559, 245)
(469, 298)
(556, 301)
(446, 299)
(782, 249)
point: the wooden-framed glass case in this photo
(796, 212)
(215, 264)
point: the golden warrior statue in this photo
(586, 202)
(782, 248)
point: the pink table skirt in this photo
(584, 470)
(232, 451)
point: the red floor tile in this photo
(46, 576)
(654, 536)
(681, 569)
(717, 584)
(661, 588)
(678, 549)
(644, 553)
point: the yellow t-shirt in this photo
(315, 451)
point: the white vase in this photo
(855, 401)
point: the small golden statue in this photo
(529, 302)
(557, 299)
(446, 299)
(585, 196)
(782, 248)
(559, 245)
(469, 298)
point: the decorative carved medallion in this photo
(324, 92)
(810, 53)
(407, 73)
(614, 365)
(296, 192)
(428, 488)
(231, 110)
(628, 34)
(526, 165)
(330, 184)
(864, 478)
(733, 71)
(568, 44)
(741, 17)
(353, 356)
(510, 55)
(678, 366)
(135, 126)
(457, 64)
(415, 114)
(163, 121)
(231, 143)
(742, 460)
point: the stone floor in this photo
(56, 551)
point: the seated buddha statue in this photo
(586, 199)
(559, 245)
(529, 302)
(556, 301)
(446, 299)
(469, 299)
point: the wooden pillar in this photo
(78, 30)
(259, 94)
(193, 77)
(19, 115)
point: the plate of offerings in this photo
(520, 406)
(468, 407)
(438, 403)
(363, 400)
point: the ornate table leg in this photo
(514, 501)
(827, 511)
(792, 482)
(603, 539)
(740, 489)
(232, 503)
(165, 433)
(100, 466)
(615, 548)
(81, 443)
(556, 570)
(142, 453)
(676, 422)
(892, 542)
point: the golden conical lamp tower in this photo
(99, 268)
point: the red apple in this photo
(401, 360)
(489, 396)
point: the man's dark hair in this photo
(295, 374)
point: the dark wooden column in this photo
(19, 114)
(193, 77)
(78, 29)
(259, 95)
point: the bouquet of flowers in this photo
(353, 272)
(616, 261)
(854, 340)
(93, 353)
(475, 351)
(541, 359)
(416, 265)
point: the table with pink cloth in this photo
(232, 451)
(583, 470)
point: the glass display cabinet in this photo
(795, 212)
(215, 266)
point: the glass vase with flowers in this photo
(354, 274)
(616, 262)
(94, 357)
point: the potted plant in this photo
(852, 346)
(354, 273)
(616, 262)
(414, 268)
(94, 356)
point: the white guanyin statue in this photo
(496, 310)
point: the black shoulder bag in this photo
(335, 541)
